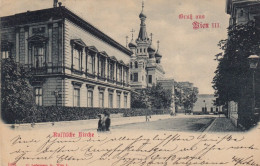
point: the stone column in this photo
(26, 32)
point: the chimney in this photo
(55, 3)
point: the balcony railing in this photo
(39, 70)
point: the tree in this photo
(233, 72)
(140, 99)
(17, 95)
(155, 97)
(185, 96)
(160, 98)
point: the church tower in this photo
(145, 66)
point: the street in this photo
(173, 124)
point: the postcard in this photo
(130, 83)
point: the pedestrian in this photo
(99, 123)
(106, 122)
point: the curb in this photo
(208, 128)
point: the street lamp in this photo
(205, 108)
(253, 62)
(56, 94)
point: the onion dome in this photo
(151, 48)
(142, 15)
(131, 45)
(158, 54)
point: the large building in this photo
(242, 12)
(72, 62)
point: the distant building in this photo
(205, 104)
(73, 63)
(186, 84)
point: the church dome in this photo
(151, 48)
(131, 45)
(142, 15)
(158, 54)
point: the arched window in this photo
(131, 65)
(136, 64)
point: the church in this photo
(145, 67)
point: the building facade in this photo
(242, 12)
(73, 63)
(205, 104)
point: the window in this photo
(144, 50)
(150, 79)
(136, 64)
(90, 64)
(111, 75)
(131, 77)
(39, 52)
(110, 100)
(140, 50)
(90, 98)
(77, 46)
(6, 49)
(131, 65)
(125, 101)
(101, 99)
(120, 73)
(101, 67)
(135, 77)
(118, 100)
(38, 96)
(125, 75)
(76, 97)
(5, 54)
(76, 59)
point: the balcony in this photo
(38, 70)
(45, 69)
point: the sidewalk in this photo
(222, 124)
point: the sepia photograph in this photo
(133, 82)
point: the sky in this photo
(188, 54)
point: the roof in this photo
(56, 13)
